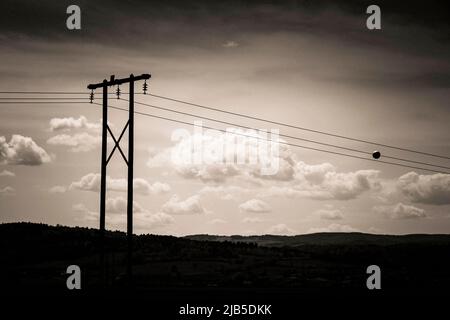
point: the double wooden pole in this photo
(129, 161)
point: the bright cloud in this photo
(79, 142)
(6, 173)
(216, 157)
(334, 227)
(66, 124)
(116, 207)
(293, 177)
(57, 189)
(230, 44)
(119, 206)
(322, 182)
(217, 222)
(225, 192)
(428, 189)
(91, 182)
(22, 150)
(330, 214)
(401, 211)
(280, 229)
(255, 206)
(7, 191)
(190, 205)
(252, 220)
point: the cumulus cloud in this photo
(216, 157)
(79, 142)
(345, 186)
(190, 205)
(217, 222)
(6, 173)
(91, 182)
(401, 211)
(207, 158)
(7, 191)
(86, 213)
(119, 206)
(230, 44)
(293, 178)
(280, 229)
(66, 124)
(334, 227)
(22, 150)
(225, 192)
(150, 188)
(252, 220)
(255, 206)
(116, 207)
(158, 158)
(428, 189)
(57, 189)
(322, 182)
(212, 172)
(155, 220)
(330, 214)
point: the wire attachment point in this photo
(145, 87)
(118, 92)
(91, 96)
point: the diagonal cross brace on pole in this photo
(117, 143)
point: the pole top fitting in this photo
(113, 81)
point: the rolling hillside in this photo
(34, 258)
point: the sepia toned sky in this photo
(310, 64)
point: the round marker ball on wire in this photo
(376, 154)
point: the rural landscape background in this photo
(217, 268)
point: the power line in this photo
(264, 120)
(58, 92)
(246, 127)
(45, 98)
(298, 127)
(280, 142)
(242, 126)
(286, 136)
(41, 102)
(42, 92)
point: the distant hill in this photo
(328, 238)
(34, 258)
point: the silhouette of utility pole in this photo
(129, 161)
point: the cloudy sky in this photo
(314, 65)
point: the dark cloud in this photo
(164, 28)
(108, 20)
(394, 80)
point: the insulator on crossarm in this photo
(91, 96)
(145, 87)
(118, 92)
